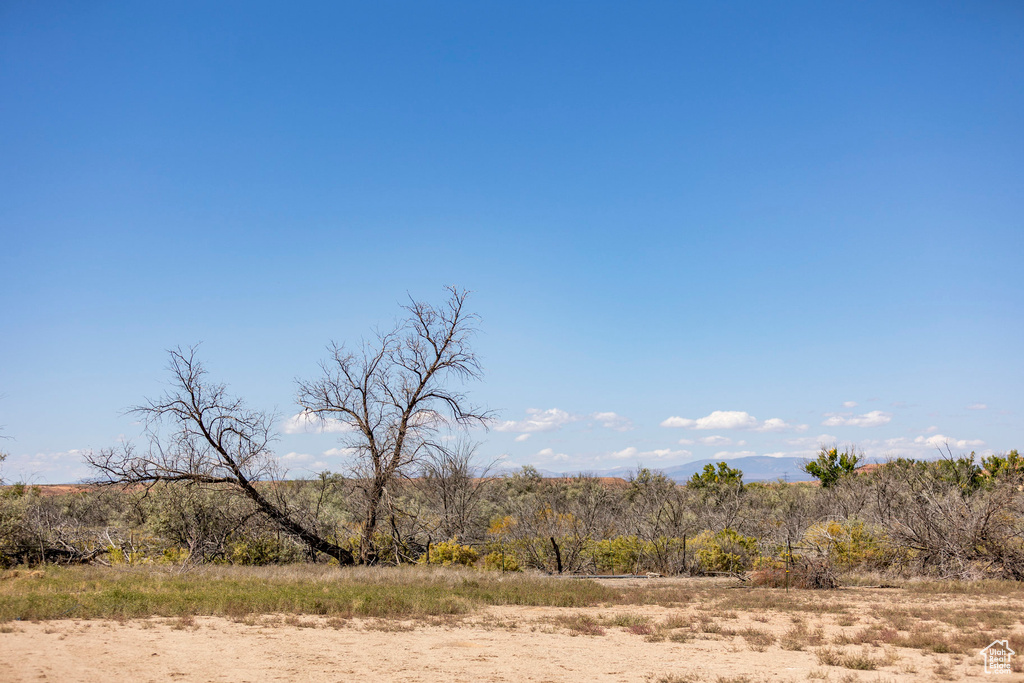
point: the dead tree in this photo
(395, 395)
(452, 489)
(212, 439)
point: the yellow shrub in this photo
(498, 561)
(175, 555)
(765, 562)
(118, 556)
(501, 525)
(726, 551)
(450, 552)
(848, 543)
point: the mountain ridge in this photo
(754, 468)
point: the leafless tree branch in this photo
(212, 438)
(396, 393)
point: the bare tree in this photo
(452, 489)
(214, 439)
(395, 394)
(657, 512)
(549, 522)
(954, 521)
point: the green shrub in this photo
(831, 465)
(262, 550)
(711, 478)
(1007, 465)
(726, 551)
(620, 555)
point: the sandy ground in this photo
(499, 644)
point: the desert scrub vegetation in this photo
(951, 519)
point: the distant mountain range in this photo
(754, 468)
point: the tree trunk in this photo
(313, 541)
(367, 549)
(558, 555)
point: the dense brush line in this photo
(954, 518)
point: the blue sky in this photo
(768, 224)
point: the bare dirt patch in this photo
(720, 635)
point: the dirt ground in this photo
(497, 644)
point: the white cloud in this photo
(554, 418)
(721, 455)
(805, 446)
(522, 437)
(775, 424)
(296, 457)
(686, 442)
(307, 422)
(539, 421)
(849, 404)
(806, 441)
(613, 421)
(428, 418)
(340, 452)
(732, 419)
(923, 447)
(666, 453)
(550, 453)
(715, 440)
(977, 406)
(941, 441)
(931, 430)
(61, 467)
(718, 419)
(660, 453)
(875, 418)
(305, 461)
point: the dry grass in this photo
(629, 620)
(580, 624)
(986, 588)
(816, 602)
(756, 639)
(863, 660)
(384, 592)
(798, 637)
(675, 628)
